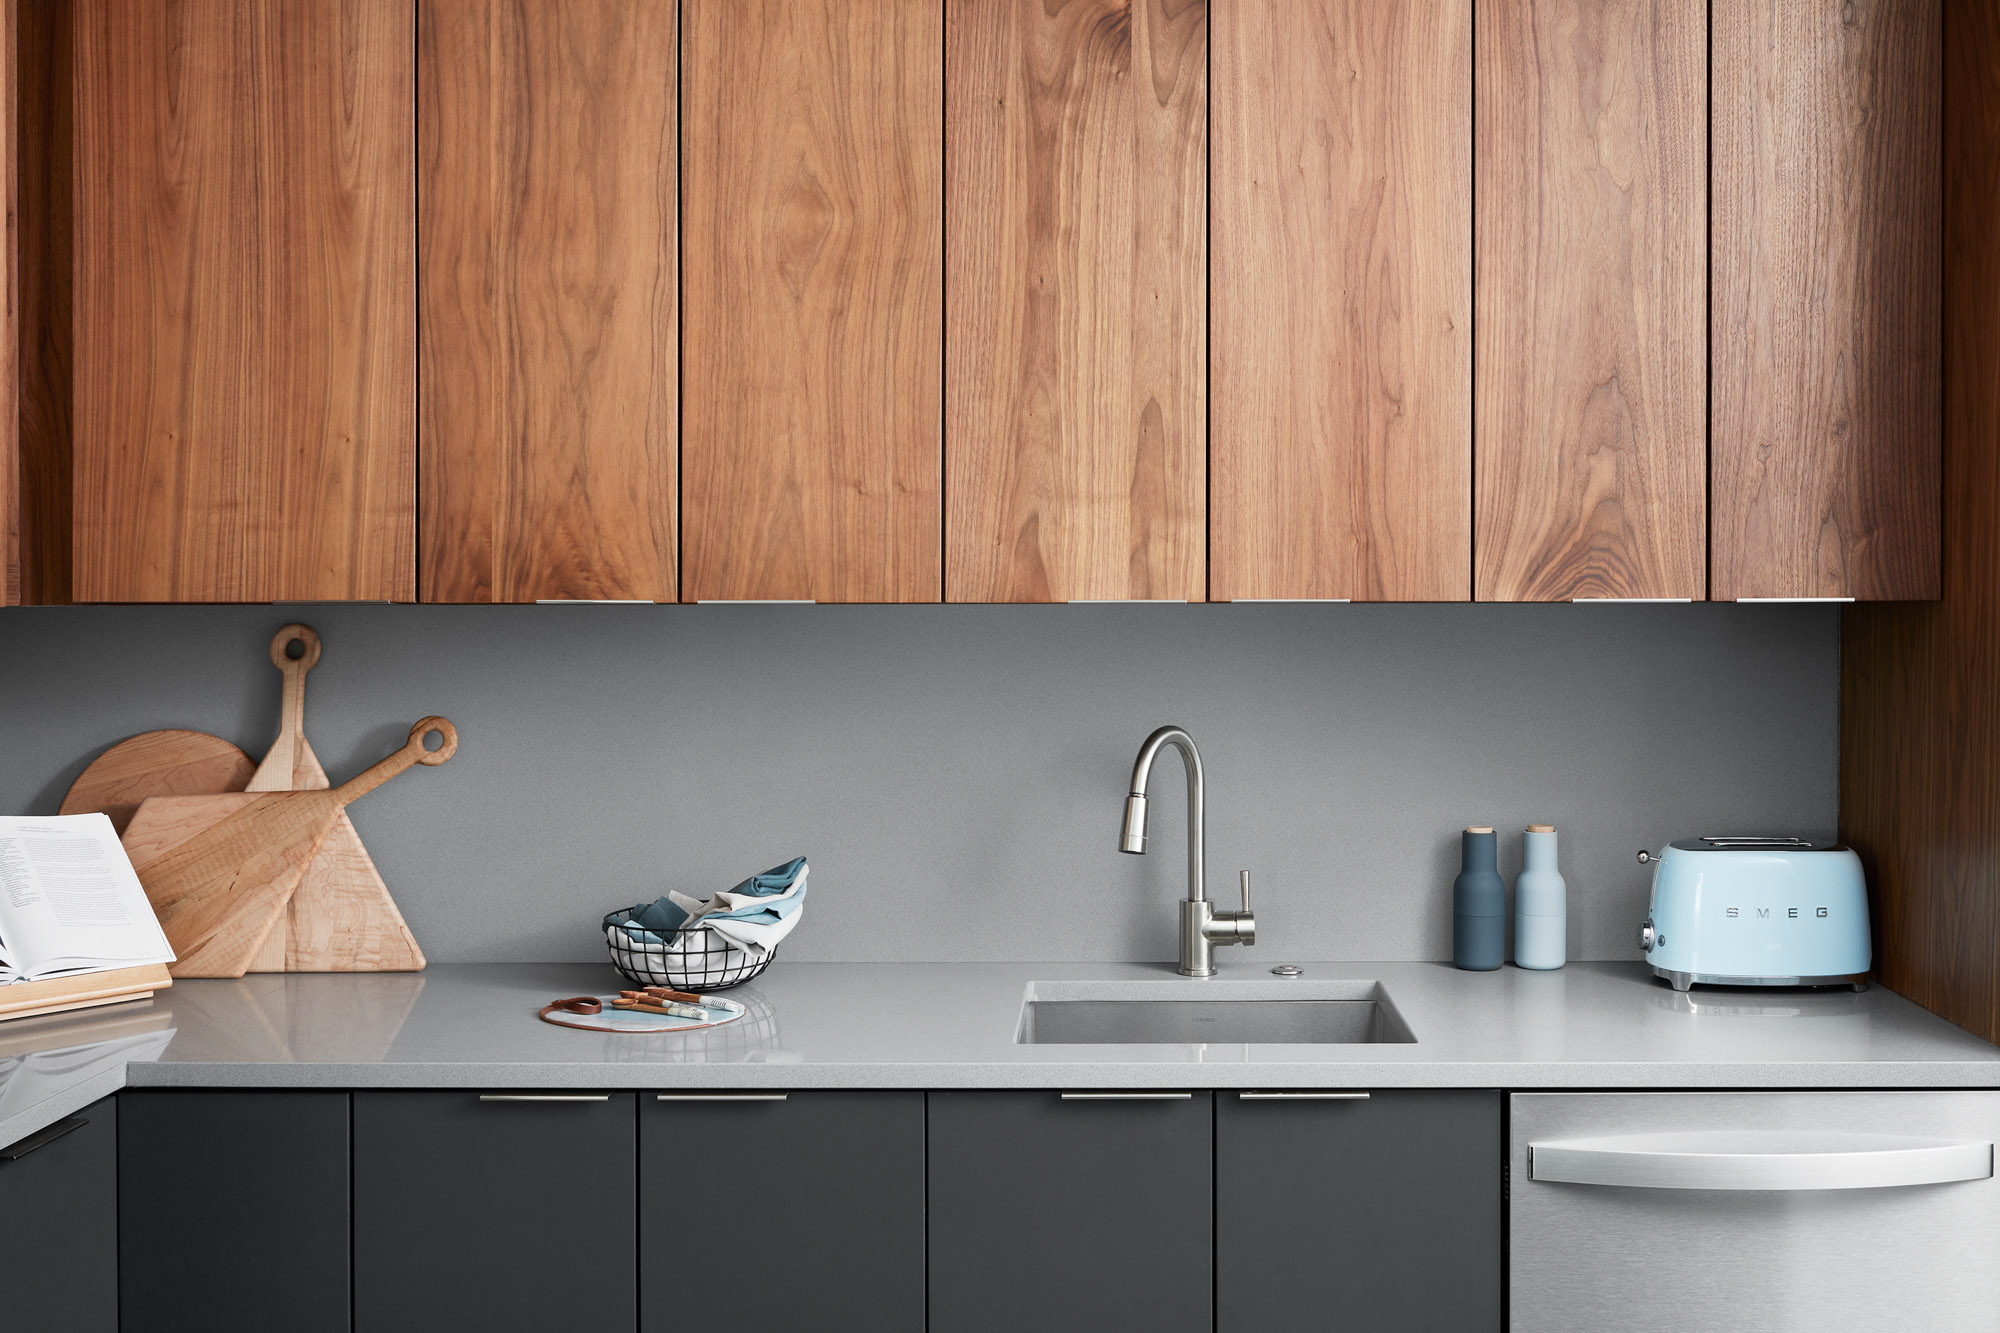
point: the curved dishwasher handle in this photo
(1758, 1160)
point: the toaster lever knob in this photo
(1646, 936)
(1646, 858)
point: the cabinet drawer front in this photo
(59, 1225)
(1057, 1214)
(1388, 1210)
(840, 1175)
(233, 1205)
(468, 1213)
(1752, 1241)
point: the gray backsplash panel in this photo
(956, 773)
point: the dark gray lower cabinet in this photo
(1055, 1216)
(1384, 1214)
(232, 1211)
(820, 1194)
(511, 1213)
(59, 1225)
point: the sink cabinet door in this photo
(1386, 1213)
(1063, 1216)
(496, 1215)
(59, 1225)
(833, 1180)
(233, 1212)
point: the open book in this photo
(69, 902)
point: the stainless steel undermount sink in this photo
(1312, 1013)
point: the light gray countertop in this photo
(953, 1025)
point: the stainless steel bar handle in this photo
(1758, 1160)
(1302, 1096)
(1126, 1096)
(544, 1096)
(720, 1097)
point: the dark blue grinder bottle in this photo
(1479, 905)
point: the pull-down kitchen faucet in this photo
(1202, 927)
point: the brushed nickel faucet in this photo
(1202, 927)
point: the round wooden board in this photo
(157, 763)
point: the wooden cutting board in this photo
(341, 917)
(220, 870)
(156, 763)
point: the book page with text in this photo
(69, 900)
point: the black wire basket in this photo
(690, 960)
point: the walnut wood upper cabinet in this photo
(1075, 438)
(245, 340)
(1824, 267)
(548, 159)
(1591, 398)
(813, 278)
(1341, 291)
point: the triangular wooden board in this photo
(341, 917)
(220, 869)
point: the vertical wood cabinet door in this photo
(1824, 305)
(813, 288)
(1076, 358)
(1590, 413)
(507, 1216)
(1340, 461)
(10, 313)
(1070, 1216)
(59, 1225)
(245, 349)
(838, 1189)
(546, 224)
(233, 1212)
(1384, 1214)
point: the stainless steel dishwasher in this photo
(1767, 1210)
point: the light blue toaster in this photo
(1746, 911)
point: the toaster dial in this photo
(1646, 939)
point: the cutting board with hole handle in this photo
(341, 918)
(220, 870)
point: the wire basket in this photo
(690, 960)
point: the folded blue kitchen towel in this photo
(764, 899)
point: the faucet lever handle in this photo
(1243, 878)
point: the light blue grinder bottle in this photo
(1479, 905)
(1541, 914)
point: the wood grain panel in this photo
(1075, 439)
(1920, 683)
(10, 313)
(245, 299)
(45, 141)
(812, 281)
(1591, 403)
(1341, 288)
(550, 351)
(1824, 299)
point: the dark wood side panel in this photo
(1591, 412)
(548, 299)
(1341, 255)
(45, 143)
(1075, 425)
(1824, 300)
(1920, 684)
(813, 299)
(10, 310)
(245, 301)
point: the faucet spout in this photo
(1202, 927)
(1134, 836)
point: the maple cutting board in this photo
(341, 918)
(156, 763)
(220, 870)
